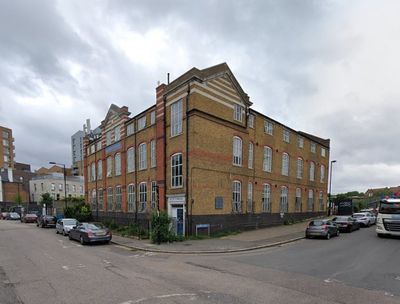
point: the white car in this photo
(65, 225)
(365, 219)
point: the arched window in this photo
(266, 198)
(237, 151)
(117, 164)
(322, 174)
(310, 201)
(130, 162)
(118, 197)
(298, 200)
(312, 171)
(300, 168)
(284, 199)
(131, 198)
(285, 164)
(321, 201)
(236, 196)
(251, 152)
(267, 159)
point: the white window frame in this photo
(176, 118)
(322, 174)
(310, 201)
(131, 198)
(237, 196)
(100, 200)
(118, 198)
(267, 159)
(312, 171)
(237, 151)
(99, 169)
(266, 198)
(117, 163)
(130, 129)
(313, 147)
(251, 121)
(300, 142)
(286, 135)
(251, 155)
(93, 199)
(268, 127)
(108, 138)
(297, 203)
(152, 117)
(141, 123)
(323, 152)
(300, 168)
(283, 203)
(98, 146)
(109, 166)
(238, 112)
(130, 161)
(249, 197)
(117, 133)
(142, 196)
(93, 172)
(142, 156)
(177, 170)
(153, 162)
(285, 164)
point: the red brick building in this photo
(206, 157)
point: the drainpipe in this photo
(135, 165)
(189, 220)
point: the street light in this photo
(65, 181)
(330, 187)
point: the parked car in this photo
(90, 233)
(365, 219)
(65, 225)
(13, 216)
(3, 215)
(346, 223)
(29, 218)
(322, 228)
(46, 221)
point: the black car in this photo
(346, 223)
(46, 221)
(322, 228)
(90, 233)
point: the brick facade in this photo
(195, 124)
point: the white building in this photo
(54, 184)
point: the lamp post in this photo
(65, 181)
(330, 187)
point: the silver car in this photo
(365, 219)
(65, 225)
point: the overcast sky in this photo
(330, 68)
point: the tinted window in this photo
(317, 223)
(341, 219)
(389, 208)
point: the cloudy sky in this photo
(330, 68)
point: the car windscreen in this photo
(341, 219)
(359, 215)
(69, 222)
(389, 208)
(317, 223)
(94, 226)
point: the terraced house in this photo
(202, 154)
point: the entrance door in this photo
(179, 221)
(177, 210)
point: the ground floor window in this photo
(100, 199)
(266, 198)
(297, 203)
(310, 201)
(118, 198)
(236, 196)
(131, 198)
(110, 204)
(284, 200)
(142, 197)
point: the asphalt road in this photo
(38, 266)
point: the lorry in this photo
(388, 219)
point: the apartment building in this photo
(7, 154)
(77, 152)
(53, 183)
(206, 157)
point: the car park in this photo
(322, 228)
(29, 218)
(364, 218)
(346, 223)
(64, 225)
(90, 233)
(13, 216)
(46, 221)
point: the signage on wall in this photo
(113, 147)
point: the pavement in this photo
(245, 241)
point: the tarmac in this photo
(244, 241)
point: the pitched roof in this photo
(206, 74)
(321, 141)
(114, 109)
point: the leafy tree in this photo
(80, 211)
(160, 228)
(46, 199)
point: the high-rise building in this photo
(6, 148)
(77, 152)
(202, 154)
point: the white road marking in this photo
(65, 267)
(329, 280)
(389, 294)
(191, 295)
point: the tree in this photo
(46, 199)
(18, 199)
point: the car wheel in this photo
(69, 236)
(328, 236)
(369, 224)
(56, 231)
(63, 233)
(82, 240)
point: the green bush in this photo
(160, 228)
(79, 211)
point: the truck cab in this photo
(388, 219)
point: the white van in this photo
(388, 220)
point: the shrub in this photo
(79, 211)
(160, 228)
